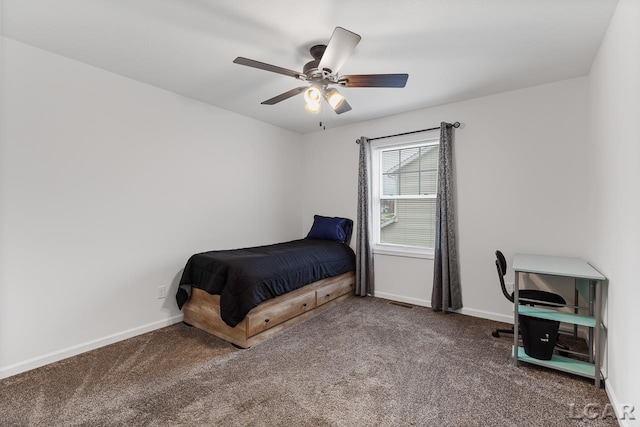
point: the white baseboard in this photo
(486, 315)
(400, 298)
(620, 407)
(36, 362)
(427, 303)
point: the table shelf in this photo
(560, 363)
(560, 316)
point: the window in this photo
(404, 196)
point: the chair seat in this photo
(541, 296)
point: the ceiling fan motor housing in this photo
(310, 69)
(317, 51)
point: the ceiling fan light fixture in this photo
(313, 108)
(334, 98)
(313, 96)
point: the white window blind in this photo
(406, 194)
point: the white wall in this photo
(107, 186)
(521, 178)
(615, 111)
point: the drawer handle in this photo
(328, 295)
(304, 305)
(266, 320)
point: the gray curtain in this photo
(446, 292)
(364, 252)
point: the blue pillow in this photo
(326, 228)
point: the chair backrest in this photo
(501, 267)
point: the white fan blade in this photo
(339, 49)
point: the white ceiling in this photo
(451, 49)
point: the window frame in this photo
(377, 196)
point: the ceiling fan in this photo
(322, 72)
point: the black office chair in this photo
(501, 266)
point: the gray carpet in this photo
(362, 363)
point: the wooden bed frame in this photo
(202, 310)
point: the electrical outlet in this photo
(162, 292)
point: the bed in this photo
(247, 295)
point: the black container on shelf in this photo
(539, 336)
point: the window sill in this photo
(402, 252)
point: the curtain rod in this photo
(455, 125)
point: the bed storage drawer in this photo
(334, 290)
(202, 310)
(285, 310)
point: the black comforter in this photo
(246, 277)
